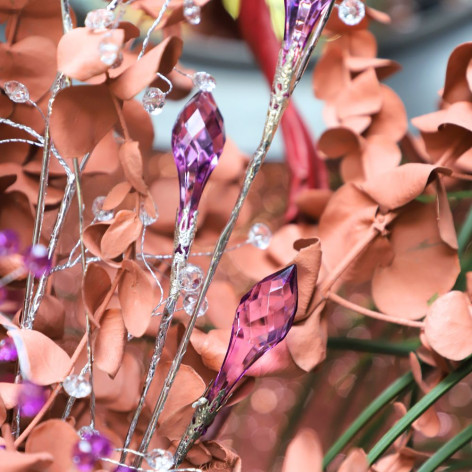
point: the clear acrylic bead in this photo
(77, 386)
(154, 100)
(145, 217)
(351, 12)
(16, 91)
(99, 213)
(160, 460)
(109, 51)
(191, 278)
(86, 431)
(192, 12)
(189, 303)
(204, 81)
(99, 20)
(260, 236)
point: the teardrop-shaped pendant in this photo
(198, 139)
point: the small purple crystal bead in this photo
(301, 16)
(123, 468)
(31, 398)
(36, 260)
(90, 449)
(263, 319)
(8, 352)
(9, 242)
(198, 139)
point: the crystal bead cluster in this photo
(36, 260)
(198, 139)
(192, 12)
(16, 91)
(8, 352)
(260, 236)
(154, 100)
(263, 319)
(98, 212)
(110, 52)
(351, 12)
(191, 278)
(89, 450)
(160, 460)
(204, 81)
(99, 20)
(190, 300)
(77, 386)
(31, 398)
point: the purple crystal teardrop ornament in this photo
(301, 16)
(198, 139)
(263, 319)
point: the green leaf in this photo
(417, 410)
(374, 347)
(389, 394)
(447, 450)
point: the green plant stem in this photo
(447, 450)
(465, 233)
(391, 392)
(417, 410)
(374, 347)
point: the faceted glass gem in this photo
(263, 319)
(99, 20)
(192, 12)
(86, 431)
(91, 448)
(198, 139)
(31, 398)
(160, 460)
(109, 51)
(77, 386)
(123, 468)
(36, 260)
(8, 352)
(260, 236)
(189, 303)
(99, 213)
(16, 91)
(301, 17)
(204, 81)
(351, 12)
(9, 242)
(154, 100)
(191, 278)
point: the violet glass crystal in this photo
(90, 449)
(9, 242)
(198, 139)
(263, 319)
(8, 352)
(36, 260)
(31, 398)
(301, 16)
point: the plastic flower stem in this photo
(88, 326)
(447, 450)
(417, 410)
(374, 347)
(389, 394)
(374, 314)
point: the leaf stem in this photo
(417, 410)
(374, 347)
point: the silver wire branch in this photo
(153, 27)
(183, 239)
(280, 95)
(84, 271)
(66, 16)
(19, 140)
(71, 401)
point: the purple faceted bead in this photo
(8, 352)
(36, 260)
(123, 468)
(31, 398)
(9, 242)
(90, 449)
(301, 17)
(198, 139)
(263, 319)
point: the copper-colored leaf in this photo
(110, 343)
(50, 317)
(356, 461)
(96, 285)
(124, 230)
(304, 449)
(136, 298)
(162, 57)
(42, 361)
(13, 461)
(448, 326)
(78, 52)
(457, 87)
(82, 115)
(132, 164)
(116, 196)
(57, 438)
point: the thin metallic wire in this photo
(153, 27)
